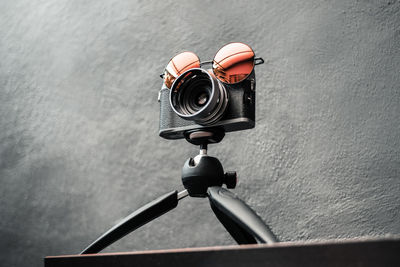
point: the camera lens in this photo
(201, 99)
(198, 96)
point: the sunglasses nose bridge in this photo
(206, 62)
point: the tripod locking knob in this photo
(230, 179)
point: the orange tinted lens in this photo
(179, 64)
(233, 62)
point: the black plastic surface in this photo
(196, 178)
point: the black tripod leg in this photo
(135, 220)
(238, 233)
(245, 226)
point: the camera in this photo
(198, 100)
(195, 98)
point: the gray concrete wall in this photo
(79, 120)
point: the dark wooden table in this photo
(349, 252)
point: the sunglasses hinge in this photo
(258, 61)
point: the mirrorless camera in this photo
(193, 98)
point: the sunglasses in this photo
(233, 63)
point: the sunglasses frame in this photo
(257, 61)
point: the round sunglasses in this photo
(232, 64)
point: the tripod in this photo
(202, 176)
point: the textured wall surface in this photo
(79, 145)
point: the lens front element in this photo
(198, 96)
(233, 63)
(179, 64)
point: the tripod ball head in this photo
(199, 174)
(202, 172)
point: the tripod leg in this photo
(135, 220)
(245, 226)
(238, 233)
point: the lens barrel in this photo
(198, 96)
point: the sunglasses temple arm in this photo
(258, 61)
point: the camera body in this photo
(238, 112)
